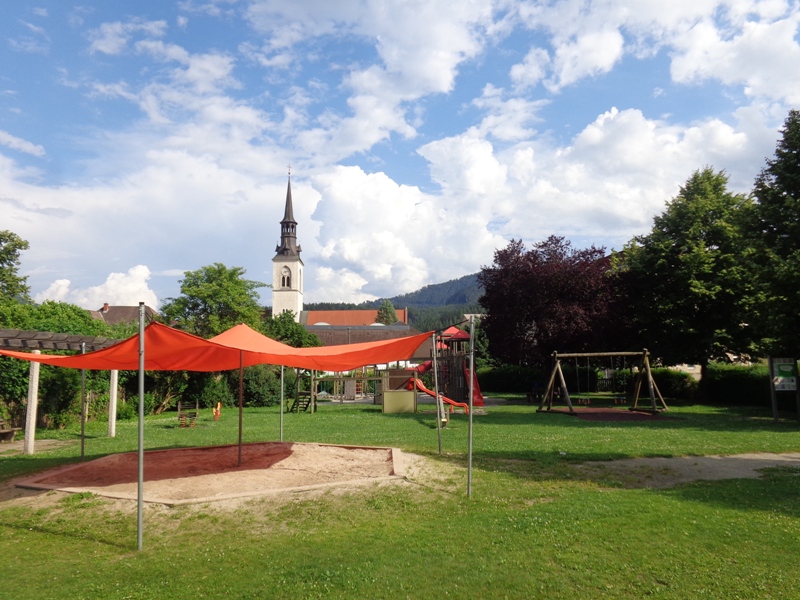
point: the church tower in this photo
(287, 268)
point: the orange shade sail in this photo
(350, 356)
(324, 358)
(168, 349)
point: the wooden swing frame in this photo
(644, 373)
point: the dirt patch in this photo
(16, 447)
(192, 475)
(659, 473)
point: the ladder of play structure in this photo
(301, 402)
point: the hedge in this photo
(728, 385)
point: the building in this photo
(349, 318)
(287, 266)
(114, 315)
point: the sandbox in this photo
(195, 475)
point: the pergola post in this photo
(112, 403)
(33, 404)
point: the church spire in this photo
(288, 244)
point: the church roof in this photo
(288, 249)
(288, 212)
(347, 318)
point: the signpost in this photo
(783, 378)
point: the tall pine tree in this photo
(776, 242)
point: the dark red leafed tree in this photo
(551, 297)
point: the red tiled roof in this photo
(348, 318)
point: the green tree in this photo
(775, 241)
(58, 387)
(551, 297)
(687, 284)
(386, 313)
(213, 299)
(285, 329)
(12, 286)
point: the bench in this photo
(188, 413)
(7, 433)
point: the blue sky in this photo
(139, 140)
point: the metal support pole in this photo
(83, 406)
(471, 392)
(282, 370)
(436, 391)
(241, 394)
(140, 495)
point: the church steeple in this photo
(288, 244)
(287, 266)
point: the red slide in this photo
(422, 388)
(477, 397)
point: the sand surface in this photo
(180, 476)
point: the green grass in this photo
(534, 527)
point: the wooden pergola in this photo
(20, 339)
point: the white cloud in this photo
(738, 42)
(508, 119)
(760, 56)
(466, 166)
(340, 285)
(421, 48)
(20, 145)
(119, 289)
(35, 41)
(112, 38)
(591, 54)
(532, 69)
(396, 237)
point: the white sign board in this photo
(784, 378)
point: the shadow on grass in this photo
(776, 491)
(55, 521)
(730, 419)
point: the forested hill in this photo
(433, 307)
(465, 290)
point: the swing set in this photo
(643, 374)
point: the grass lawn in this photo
(534, 527)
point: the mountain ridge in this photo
(433, 306)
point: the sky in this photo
(143, 139)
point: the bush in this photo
(510, 378)
(129, 409)
(673, 384)
(126, 411)
(737, 385)
(261, 385)
(215, 391)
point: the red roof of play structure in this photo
(454, 333)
